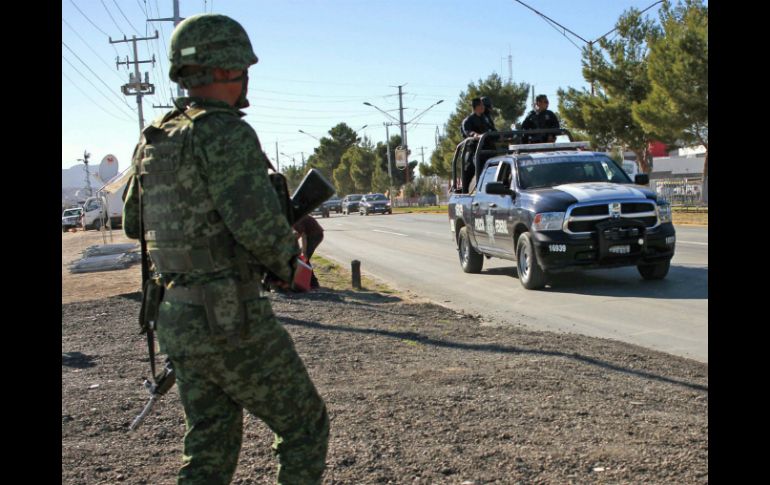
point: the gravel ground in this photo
(416, 393)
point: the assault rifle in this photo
(312, 192)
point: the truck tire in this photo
(531, 275)
(471, 260)
(656, 271)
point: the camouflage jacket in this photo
(232, 166)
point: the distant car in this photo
(350, 203)
(429, 199)
(373, 204)
(71, 218)
(321, 210)
(334, 203)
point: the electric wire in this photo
(94, 102)
(92, 84)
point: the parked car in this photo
(321, 210)
(334, 203)
(350, 203)
(70, 218)
(374, 203)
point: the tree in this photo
(380, 180)
(676, 111)
(509, 101)
(341, 176)
(293, 176)
(328, 154)
(621, 83)
(362, 161)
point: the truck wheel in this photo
(470, 260)
(97, 224)
(531, 275)
(656, 271)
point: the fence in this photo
(680, 191)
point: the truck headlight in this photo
(548, 221)
(664, 213)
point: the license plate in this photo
(622, 249)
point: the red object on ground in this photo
(302, 275)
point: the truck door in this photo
(501, 208)
(483, 219)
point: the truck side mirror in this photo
(642, 179)
(498, 188)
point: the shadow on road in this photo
(682, 282)
(493, 348)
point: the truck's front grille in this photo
(583, 218)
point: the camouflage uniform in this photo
(213, 226)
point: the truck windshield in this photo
(71, 212)
(549, 172)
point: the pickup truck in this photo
(553, 207)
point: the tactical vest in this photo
(184, 232)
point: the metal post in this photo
(355, 268)
(390, 172)
(277, 161)
(403, 133)
(138, 87)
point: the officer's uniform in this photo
(539, 121)
(478, 124)
(213, 226)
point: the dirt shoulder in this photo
(416, 393)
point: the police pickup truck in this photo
(554, 207)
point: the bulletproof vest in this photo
(184, 232)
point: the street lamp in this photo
(383, 112)
(403, 124)
(308, 134)
(293, 161)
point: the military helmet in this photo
(211, 41)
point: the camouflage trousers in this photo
(266, 377)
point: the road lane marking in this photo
(388, 232)
(693, 242)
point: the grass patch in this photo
(434, 209)
(687, 217)
(336, 277)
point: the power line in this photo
(86, 16)
(95, 26)
(92, 50)
(92, 72)
(142, 8)
(124, 16)
(113, 19)
(92, 84)
(167, 82)
(94, 102)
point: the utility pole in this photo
(390, 172)
(135, 86)
(422, 149)
(404, 144)
(277, 160)
(533, 96)
(176, 19)
(510, 68)
(85, 158)
(303, 160)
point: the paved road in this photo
(415, 252)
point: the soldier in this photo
(213, 226)
(540, 118)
